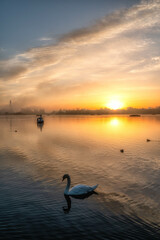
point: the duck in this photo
(77, 190)
(148, 140)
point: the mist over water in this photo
(33, 159)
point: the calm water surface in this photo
(34, 159)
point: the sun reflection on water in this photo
(114, 122)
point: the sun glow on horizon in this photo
(114, 104)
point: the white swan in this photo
(79, 189)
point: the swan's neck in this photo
(68, 185)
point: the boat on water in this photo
(135, 115)
(40, 119)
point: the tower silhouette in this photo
(10, 106)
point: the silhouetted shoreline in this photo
(101, 111)
(106, 111)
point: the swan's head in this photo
(65, 176)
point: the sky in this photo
(63, 54)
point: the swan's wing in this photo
(81, 189)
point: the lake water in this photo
(34, 158)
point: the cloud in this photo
(142, 16)
(8, 72)
(119, 49)
(45, 39)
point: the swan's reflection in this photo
(68, 200)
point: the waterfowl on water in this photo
(77, 190)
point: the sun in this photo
(114, 104)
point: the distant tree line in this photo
(23, 111)
(103, 111)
